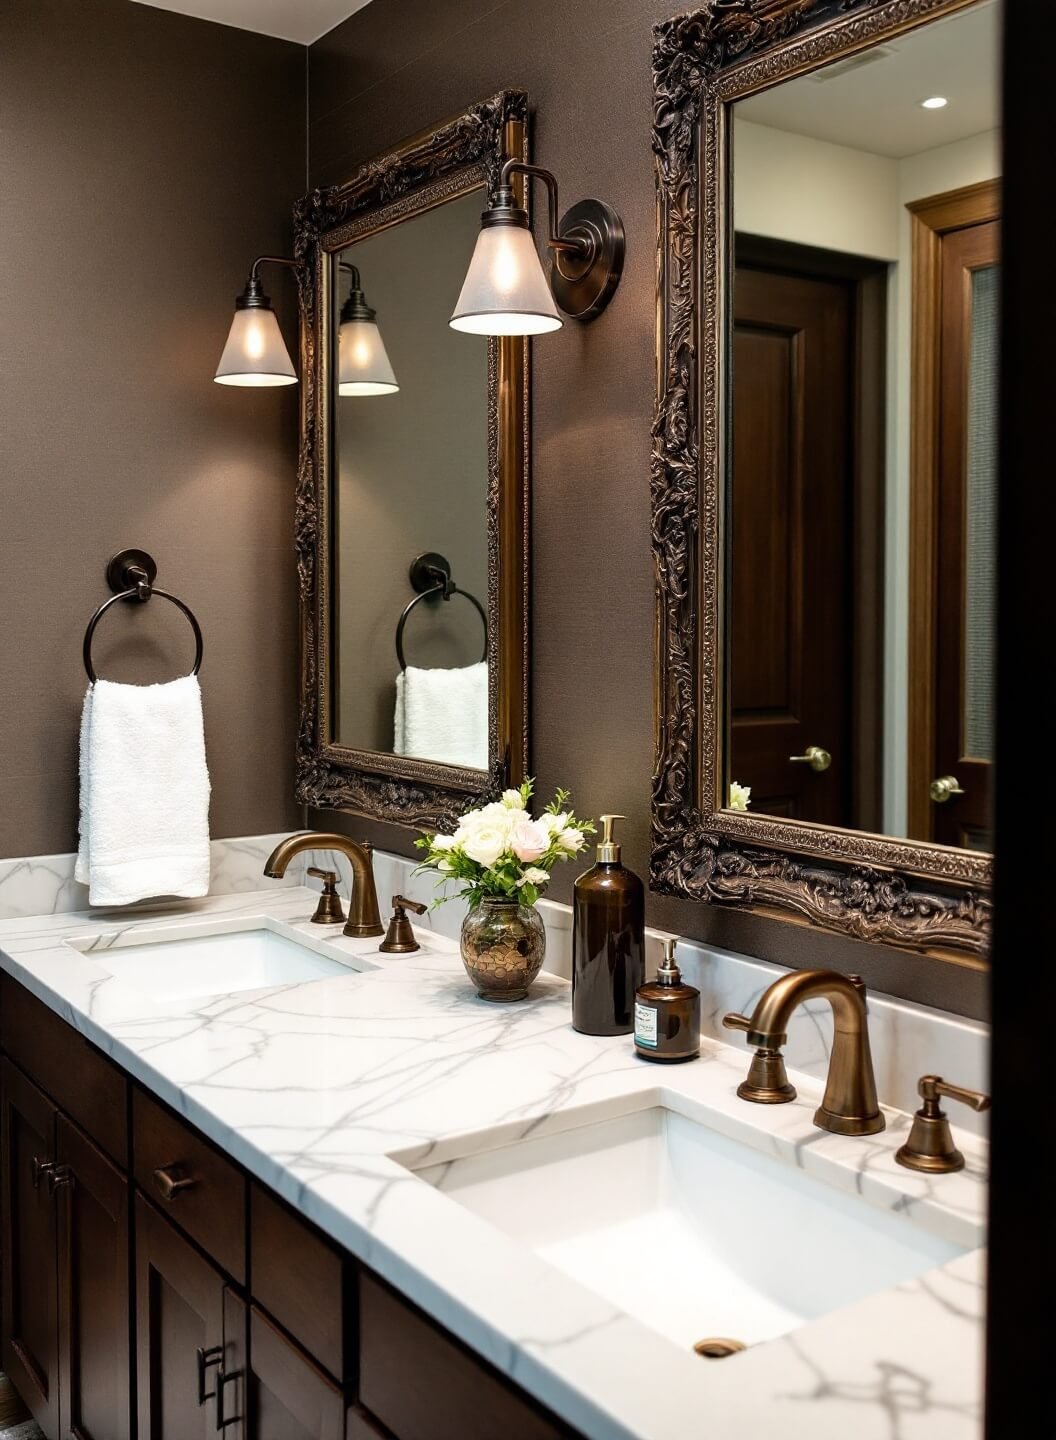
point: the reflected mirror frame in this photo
(458, 156)
(914, 895)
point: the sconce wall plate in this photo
(584, 286)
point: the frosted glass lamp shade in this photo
(255, 353)
(363, 365)
(505, 290)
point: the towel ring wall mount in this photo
(430, 574)
(130, 574)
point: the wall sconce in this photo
(505, 290)
(363, 364)
(255, 353)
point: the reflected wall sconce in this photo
(506, 291)
(255, 353)
(363, 366)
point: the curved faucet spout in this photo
(364, 917)
(849, 1106)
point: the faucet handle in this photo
(328, 911)
(400, 937)
(930, 1146)
(931, 1087)
(767, 1082)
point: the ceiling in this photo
(871, 101)
(300, 20)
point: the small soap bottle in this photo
(608, 942)
(667, 1014)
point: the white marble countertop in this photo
(314, 1088)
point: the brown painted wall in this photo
(146, 158)
(397, 67)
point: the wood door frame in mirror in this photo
(871, 887)
(462, 154)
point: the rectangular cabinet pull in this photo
(222, 1379)
(207, 1358)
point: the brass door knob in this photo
(817, 758)
(944, 788)
(930, 1146)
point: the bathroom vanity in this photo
(328, 1192)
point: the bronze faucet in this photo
(849, 1106)
(364, 918)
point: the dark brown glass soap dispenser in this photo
(608, 942)
(667, 1014)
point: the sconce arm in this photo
(271, 260)
(571, 244)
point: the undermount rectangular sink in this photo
(693, 1234)
(188, 962)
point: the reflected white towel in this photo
(443, 715)
(144, 792)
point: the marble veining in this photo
(328, 1090)
(907, 1040)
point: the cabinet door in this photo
(179, 1332)
(289, 1397)
(29, 1250)
(94, 1337)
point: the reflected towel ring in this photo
(431, 575)
(130, 574)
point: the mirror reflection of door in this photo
(953, 582)
(806, 522)
(858, 548)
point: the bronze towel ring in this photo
(431, 575)
(130, 574)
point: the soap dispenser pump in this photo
(608, 941)
(667, 1013)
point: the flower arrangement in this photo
(740, 796)
(500, 853)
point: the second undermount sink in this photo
(691, 1233)
(218, 958)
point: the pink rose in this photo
(528, 840)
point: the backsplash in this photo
(44, 884)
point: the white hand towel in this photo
(144, 792)
(442, 715)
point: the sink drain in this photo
(717, 1348)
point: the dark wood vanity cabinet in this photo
(65, 1265)
(152, 1291)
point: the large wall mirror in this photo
(825, 461)
(412, 515)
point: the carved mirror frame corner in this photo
(460, 155)
(913, 895)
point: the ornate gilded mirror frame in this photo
(873, 887)
(463, 154)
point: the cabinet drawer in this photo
(299, 1279)
(82, 1082)
(423, 1385)
(204, 1193)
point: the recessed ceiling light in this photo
(935, 102)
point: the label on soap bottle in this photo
(645, 1025)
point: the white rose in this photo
(571, 839)
(485, 843)
(533, 876)
(511, 799)
(554, 823)
(443, 842)
(740, 796)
